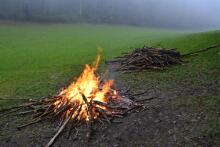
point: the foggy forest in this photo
(160, 13)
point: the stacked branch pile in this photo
(147, 58)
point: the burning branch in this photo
(86, 100)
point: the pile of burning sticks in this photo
(147, 58)
(74, 113)
(86, 100)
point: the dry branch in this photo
(146, 99)
(17, 99)
(74, 120)
(60, 130)
(30, 123)
(201, 50)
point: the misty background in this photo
(153, 13)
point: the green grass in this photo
(201, 69)
(198, 80)
(37, 59)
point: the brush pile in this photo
(72, 114)
(147, 58)
(84, 101)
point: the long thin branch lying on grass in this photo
(138, 94)
(10, 111)
(17, 99)
(201, 50)
(30, 123)
(146, 99)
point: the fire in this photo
(87, 99)
(86, 89)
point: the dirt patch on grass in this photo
(176, 117)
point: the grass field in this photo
(36, 60)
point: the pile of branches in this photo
(147, 58)
(68, 113)
(151, 58)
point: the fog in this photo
(151, 13)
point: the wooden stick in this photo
(89, 107)
(201, 50)
(59, 131)
(75, 120)
(26, 112)
(90, 114)
(147, 99)
(30, 123)
(132, 108)
(64, 108)
(47, 111)
(104, 104)
(15, 107)
(137, 94)
(11, 111)
(13, 99)
(104, 115)
(37, 114)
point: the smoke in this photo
(155, 13)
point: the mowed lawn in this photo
(36, 60)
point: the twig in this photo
(90, 114)
(104, 115)
(11, 111)
(10, 108)
(89, 107)
(137, 94)
(199, 51)
(26, 112)
(30, 123)
(131, 109)
(59, 131)
(147, 99)
(64, 108)
(21, 106)
(74, 120)
(13, 99)
(105, 105)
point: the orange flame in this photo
(89, 85)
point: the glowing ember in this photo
(87, 88)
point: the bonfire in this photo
(84, 101)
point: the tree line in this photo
(134, 12)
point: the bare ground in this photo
(164, 123)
